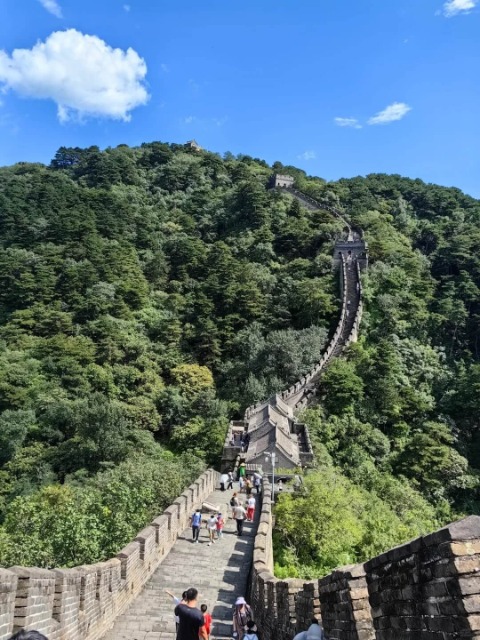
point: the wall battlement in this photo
(426, 589)
(82, 603)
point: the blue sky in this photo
(337, 87)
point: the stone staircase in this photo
(219, 572)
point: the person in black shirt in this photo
(191, 622)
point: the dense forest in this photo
(148, 295)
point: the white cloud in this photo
(127, 7)
(307, 155)
(454, 7)
(52, 6)
(81, 73)
(395, 111)
(165, 68)
(348, 122)
(189, 120)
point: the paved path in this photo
(219, 572)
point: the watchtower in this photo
(355, 249)
(283, 181)
(193, 144)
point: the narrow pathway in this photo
(219, 572)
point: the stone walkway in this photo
(219, 572)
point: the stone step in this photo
(219, 572)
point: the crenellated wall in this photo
(82, 603)
(426, 589)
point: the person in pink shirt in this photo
(220, 525)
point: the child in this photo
(220, 525)
(207, 618)
(250, 632)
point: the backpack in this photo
(232, 502)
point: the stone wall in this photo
(82, 603)
(427, 589)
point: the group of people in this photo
(214, 525)
(215, 522)
(242, 512)
(193, 623)
(245, 484)
(240, 439)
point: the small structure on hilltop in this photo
(284, 181)
(193, 144)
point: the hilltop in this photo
(149, 294)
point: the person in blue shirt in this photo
(196, 522)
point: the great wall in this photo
(427, 589)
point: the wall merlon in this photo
(83, 602)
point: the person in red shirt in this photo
(208, 620)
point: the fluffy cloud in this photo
(52, 6)
(307, 155)
(395, 111)
(454, 7)
(81, 73)
(348, 122)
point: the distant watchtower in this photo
(284, 181)
(193, 144)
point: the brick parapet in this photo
(82, 603)
(427, 589)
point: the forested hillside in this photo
(148, 295)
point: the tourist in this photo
(239, 514)
(223, 481)
(234, 502)
(220, 525)
(207, 618)
(280, 486)
(242, 470)
(241, 484)
(196, 523)
(191, 623)
(176, 601)
(251, 508)
(257, 481)
(314, 632)
(241, 616)
(28, 635)
(211, 528)
(248, 487)
(230, 480)
(251, 629)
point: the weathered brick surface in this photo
(345, 606)
(82, 603)
(428, 589)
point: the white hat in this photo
(240, 600)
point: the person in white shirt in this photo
(251, 508)
(223, 481)
(211, 528)
(239, 514)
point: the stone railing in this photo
(427, 589)
(82, 603)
